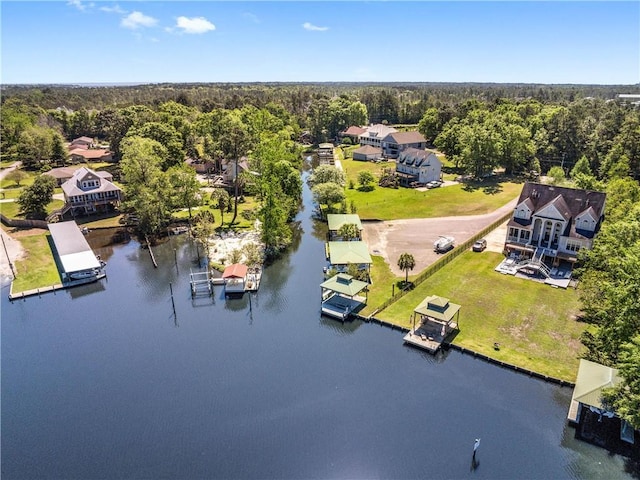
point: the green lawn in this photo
(38, 268)
(391, 204)
(532, 322)
(241, 223)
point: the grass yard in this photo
(532, 322)
(455, 200)
(241, 222)
(38, 269)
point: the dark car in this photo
(479, 245)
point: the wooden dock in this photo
(33, 292)
(252, 283)
(53, 288)
(421, 340)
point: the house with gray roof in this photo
(374, 135)
(551, 224)
(88, 191)
(396, 142)
(418, 166)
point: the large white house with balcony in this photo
(551, 224)
(88, 191)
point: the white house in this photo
(420, 166)
(88, 192)
(552, 223)
(374, 135)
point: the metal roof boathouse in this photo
(77, 262)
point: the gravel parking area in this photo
(416, 236)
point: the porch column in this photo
(551, 233)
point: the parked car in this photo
(479, 245)
(434, 184)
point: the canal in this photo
(103, 381)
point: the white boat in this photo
(443, 244)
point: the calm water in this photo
(103, 381)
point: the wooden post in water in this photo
(153, 259)
(172, 302)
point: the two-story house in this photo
(374, 135)
(88, 192)
(394, 143)
(551, 223)
(419, 166)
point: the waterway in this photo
(103, 381)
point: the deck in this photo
(254, 275)
(428, 337)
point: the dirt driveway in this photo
(416, 236)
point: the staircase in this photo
(535, 263)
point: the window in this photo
(573, 246)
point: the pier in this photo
(201, 283)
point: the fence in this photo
(20, 223)
(433, 268)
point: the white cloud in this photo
(314, 28)
(194, 25)
(254, 18)
(137, 19)
(115, 9)
(78, 4)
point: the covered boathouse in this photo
(76, 261)
(436, 318)
(340, 296)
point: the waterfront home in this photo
(418, 166)
(84, 155)
(82, 142)
(595, 421)
(367, 153)
(552, 224)
(201, 165)
(340, 296)
(88, 191)
(337, 220)
(433, 320)
(343, 254)
(353, 132)
(61, 174)
(396, 142)
(374, 135)
(235, 278)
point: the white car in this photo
(434, 184)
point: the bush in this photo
(347, 141)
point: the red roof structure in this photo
(237, 270)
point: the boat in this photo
(443, 244)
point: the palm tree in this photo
(349, 231)
(406, 262)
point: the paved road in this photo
(416, 236)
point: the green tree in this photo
(185, 187)
(581, 167)
(365, 179)
(167, 136)
(204, 227)
(349, 231)
(59, 153)
(34, 199)
(625, 397)
(142, 159)
(16, 176)
(221, 201)
(327, 174)
(328, 194)
(557, 175)
(275, 233)
(406, 262)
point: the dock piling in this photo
(173, 303)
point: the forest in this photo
(578, 131)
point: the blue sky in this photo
(82, 41)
